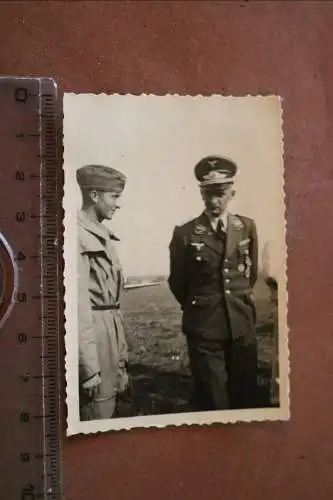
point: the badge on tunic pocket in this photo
(200, 229)
(243, 247)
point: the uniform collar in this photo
(203, 229)
(97, 228)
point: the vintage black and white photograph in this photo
(175, 261)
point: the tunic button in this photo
(226, 270)
(227, 291)
(193, 302)
(227, 280)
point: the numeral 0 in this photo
(21, 94)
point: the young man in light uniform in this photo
(103, 355)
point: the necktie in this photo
(220, 230)
(220, 225)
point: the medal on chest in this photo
(245, 262)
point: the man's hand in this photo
(91, 386)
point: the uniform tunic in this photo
(212, 277)
(102, 343)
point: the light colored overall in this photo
(102, 342)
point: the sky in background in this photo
(156, 142)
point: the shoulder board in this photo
(186, 226)
(246, 221)
(237, 221)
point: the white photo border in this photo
(74, 425)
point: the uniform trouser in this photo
(113, 357)
(224, 373)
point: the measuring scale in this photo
(30, 225)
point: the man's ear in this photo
(93, 195)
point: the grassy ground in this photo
(158, 355)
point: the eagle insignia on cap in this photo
(213, 162)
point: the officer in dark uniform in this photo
(213, 269)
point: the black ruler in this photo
(30, 222)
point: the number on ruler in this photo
(21, 297)
(20, 216)
(28, 495)
(25, 457)
(21, 94)
(22, 338)
(25, 377)
(24, 417)
(28, 492)
(19, 176)
(20, 256)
